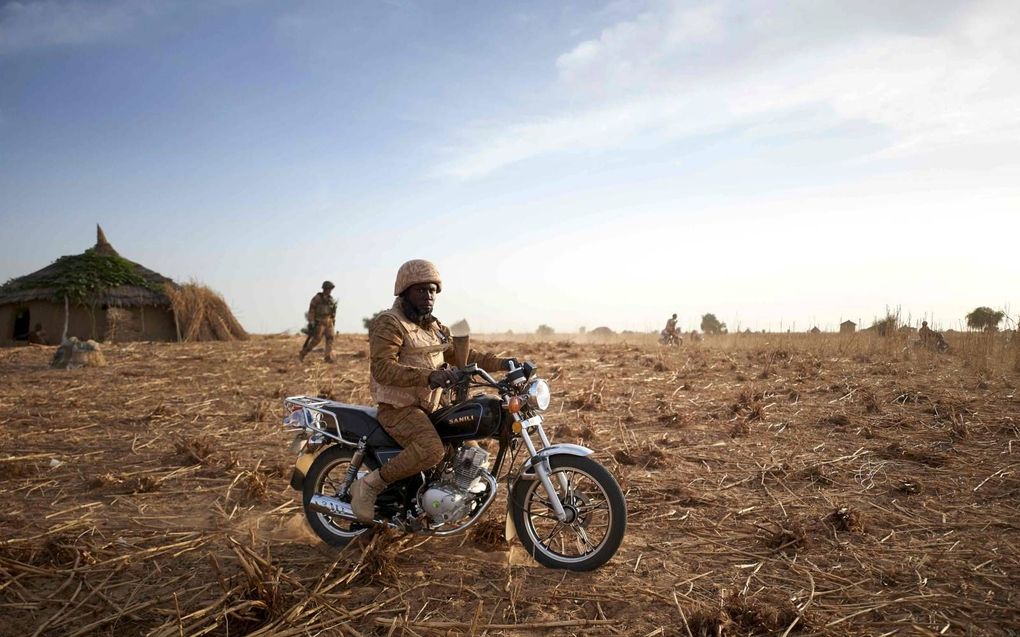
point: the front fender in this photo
(563, 449)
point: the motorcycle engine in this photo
(450, 498)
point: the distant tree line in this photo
(985, 318)
(982, 318)
(711, 325)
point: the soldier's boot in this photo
(364, 491)
(301, 356)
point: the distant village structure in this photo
(136, 309)
(847, 327)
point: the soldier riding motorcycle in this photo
(414, 463)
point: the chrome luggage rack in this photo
(313, 409)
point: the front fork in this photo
(543, 470)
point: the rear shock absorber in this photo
(352, 470)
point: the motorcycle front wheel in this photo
(596, 515)
(325, 477)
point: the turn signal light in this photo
(516, 404)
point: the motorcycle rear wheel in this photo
(595, 503)
(325, 477)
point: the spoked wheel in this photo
(325, 477)
(596, 515)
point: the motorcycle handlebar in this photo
(473, 370)
(515, 375)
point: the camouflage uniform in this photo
(403, 355)
(321, 315)
(926, 334)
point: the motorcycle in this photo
(666, 338)
(566, 509)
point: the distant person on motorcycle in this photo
(411, 353)
(670, 327)
(321, 318)
(669, 335)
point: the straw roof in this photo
(97, 276)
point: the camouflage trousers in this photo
(323, 329)
(412, 429)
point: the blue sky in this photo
(563, 163)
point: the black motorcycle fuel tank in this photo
(476, 418)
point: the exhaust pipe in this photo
(331, 506)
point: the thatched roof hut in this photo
(99, 294)
(98, 276)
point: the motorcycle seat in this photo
(357, 421)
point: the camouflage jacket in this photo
(384, 340)
(323, 306)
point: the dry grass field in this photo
(776, 485)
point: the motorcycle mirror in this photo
(461, 333)
(461, 348)
(460, 328)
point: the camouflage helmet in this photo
(327, 285)
(414, 272)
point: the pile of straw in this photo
(73, 354)
(202, 314)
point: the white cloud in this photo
(30, 25)
(931, 74)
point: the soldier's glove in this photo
(444, 378)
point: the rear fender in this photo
(302, 464)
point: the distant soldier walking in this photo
(321, 319)
(926, 334)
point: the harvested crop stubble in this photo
(150, 497)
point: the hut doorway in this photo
(22, 324)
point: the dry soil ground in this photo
(779, 486)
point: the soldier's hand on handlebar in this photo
(443, 378)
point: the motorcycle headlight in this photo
(538, 395)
